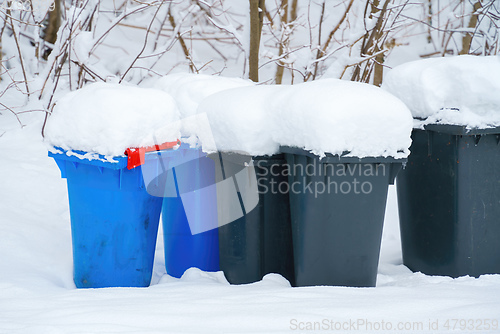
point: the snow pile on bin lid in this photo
(460, 90)
(108, 118)
(189, 90)
(335, 116)
(243, 119)
(325, 116)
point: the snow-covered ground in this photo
(37, 294)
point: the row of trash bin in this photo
(314, 220)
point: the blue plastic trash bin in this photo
(114, 221)
(189, 213)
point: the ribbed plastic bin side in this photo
(260, 241)
(337, 210)
(189, 216)
(114, 222)
(449, 202)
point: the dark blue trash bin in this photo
(189, 213)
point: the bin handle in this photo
(136, 155)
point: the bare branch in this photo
(181, 40)
(144, 45)
(21, 61)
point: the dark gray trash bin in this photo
(337, 209)
(260, 242)
(449, 201)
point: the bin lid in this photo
(94, 159)
(344, 158)
(136, 155)
(461, 129)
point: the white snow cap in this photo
(460, 90)
(243, 119)
(189, 89)
(108, 118)
(324, 116)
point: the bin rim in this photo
(462, 130)
(99, 160)
(335, 158)
(272, 157)
(238, 156)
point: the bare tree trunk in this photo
(283, 42)
(467, 40)
(378, 72)
(54, 22)
(319, 53)
(293, 12)
(257, 8)
(429, 21)
(1, 51)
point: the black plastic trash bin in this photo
(260, 241)
(337, 210)
(449, 201)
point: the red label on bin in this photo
(136, 156)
